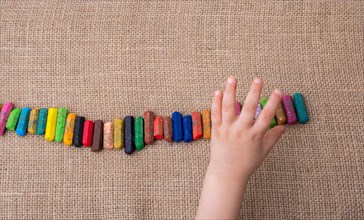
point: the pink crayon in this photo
(237, 108)
(4, 115)
(289, 109)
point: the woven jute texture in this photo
(107, 59)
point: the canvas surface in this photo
(107, 59)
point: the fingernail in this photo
(257, 80)
(278, 92)
(231, 80)
(217, 93)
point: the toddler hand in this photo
(239, 144)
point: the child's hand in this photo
(239, 144)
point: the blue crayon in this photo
(22, 127)
(42, 121)
(129, 145)
(177, 126)
(187, 128)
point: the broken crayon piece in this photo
(129, 146)
(264, 101)
(51, 124)
(148, 127)
(13, 119)
(158, 128)
(289, 109)
(118, 133)
(300, 106)
(168, 129)
(61, 122)
(187, 128)
(177, 126)
(280, 115)
(138, 132)
(196, 125)
(108, 135)
(42, 121)
(22, 127)
(4, 115)
(258, 111)
(206, 124)
(69, 129)
(33, 121)
(98, 136)
(238, 108)
(88, 129)
(78, 131)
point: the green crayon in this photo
(61, 123)
(13, 119)
(139, 133)
(262, 102)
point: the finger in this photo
(216, 109)
(266, 116)
(272, 137)
(247, 115)
(228, 101)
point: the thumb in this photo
(272, 136)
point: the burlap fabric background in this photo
(106, 59)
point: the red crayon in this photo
(87, 133)
(196, 125)
(158, 128)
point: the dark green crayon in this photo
(139, 133)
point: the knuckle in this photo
(248, 107)
(215, 121)
(256, 136)
(267, 115)
(228, 108)
(214, 113)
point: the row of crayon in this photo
(129, 133)
(291, 110)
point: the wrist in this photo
(222, 194)
(227, 174)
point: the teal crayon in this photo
(42, 121)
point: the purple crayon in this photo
(238, 108)
(259, 110)
(289, 109)
(4, 115)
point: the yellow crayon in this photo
(68, 131)
(33, 121)
(118, 133)
(51, 124)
